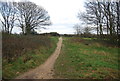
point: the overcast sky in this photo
(63, 14)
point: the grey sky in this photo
(63, 14)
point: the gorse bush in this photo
(14, 46)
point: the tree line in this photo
(26, 15)
(103, 17)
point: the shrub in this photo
(14, 46)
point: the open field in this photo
(87, 59)
(36, 50)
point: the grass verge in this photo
(29, 59)
(87, 59)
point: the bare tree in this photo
(8, 13)
(105, 15)
(94, 9)
(87, 30)
(91, 16)
(31, 16)
(118, 17)
(78, 29)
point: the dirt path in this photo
(44, 71)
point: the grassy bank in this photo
(22, 53)
(86, 59)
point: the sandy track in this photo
(44, 71)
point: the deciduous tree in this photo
(31, 16)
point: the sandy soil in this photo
(44, 71)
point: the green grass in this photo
(89, 38)
(92, 61)
(29, 60)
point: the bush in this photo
(14, 46)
